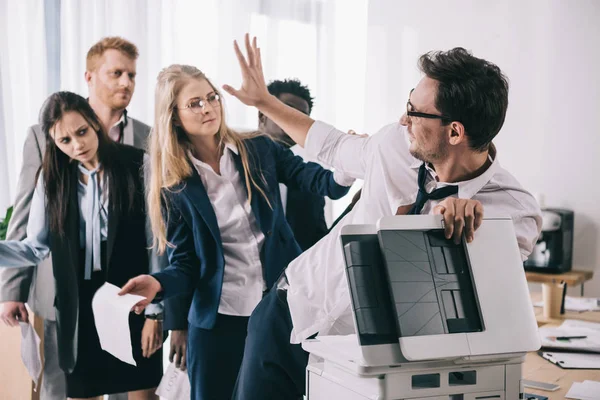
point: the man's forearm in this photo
(293, 122)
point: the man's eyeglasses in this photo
(196, 106)
(410, 113)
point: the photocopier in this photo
(434, 320)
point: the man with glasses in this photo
(110, 76)
(439, 158)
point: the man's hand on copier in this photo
(460, 215)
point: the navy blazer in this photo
(196, 260)
(305, 212)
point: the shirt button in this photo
(269, 233)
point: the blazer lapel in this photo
(197, 195)
(72, 226)
(113, 226)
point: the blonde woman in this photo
(215, 207)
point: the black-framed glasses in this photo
(196, 106)
(410, 113)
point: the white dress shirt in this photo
(243, 282)
(36, 246)
(318, 295)
(124, 126)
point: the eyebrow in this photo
(202, 98)
(76, 130)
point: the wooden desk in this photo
(571, 278)
(549, 281)
(537, 369)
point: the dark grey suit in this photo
(35, 285)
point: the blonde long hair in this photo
(169, 146)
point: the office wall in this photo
(550, 50)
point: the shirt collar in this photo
(467, 189)
(232, 147)
(122, 120)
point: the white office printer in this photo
(434, 320)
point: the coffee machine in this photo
(553, 252)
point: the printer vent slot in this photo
(462, 378)
(426, 381)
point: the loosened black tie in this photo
(423, 196)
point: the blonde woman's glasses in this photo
(197, 105)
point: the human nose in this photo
(125, 81)
(78, 144)
(404, 120)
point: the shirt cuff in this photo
(153, 309)
(342, 179)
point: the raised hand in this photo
(254, 90)
(143, 285)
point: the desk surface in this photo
(571, 278)
(537, 369)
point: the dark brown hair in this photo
(59, 173)
(470, 90)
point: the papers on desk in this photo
(586, 390)
(111, 314)
(175, 384)
(30, 352)
(591, 331)
(578, 304)
(574, 360)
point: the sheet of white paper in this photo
(30, 351)
(175, 384)
(111, 314)
(577, 304)
(586, 390)
(574, 360)
(573, 328)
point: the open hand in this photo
(254, 90)
(152, 334)
(143, 285)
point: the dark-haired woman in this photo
(88, 211)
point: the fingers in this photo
(459, 221)
(259, 64)
(183, 365)
(478, 214)
(128, 287)
(140, 306)
(23, 314)
(172, 352)
(10, 320)
(241, 59)
(231, 91)
(447, 210)
(460, 216)
(177, 356)
(249, 51)
(145, 344)
(469, 221)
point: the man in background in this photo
(305, 212)
(110, 76)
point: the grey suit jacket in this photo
(35, 285)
